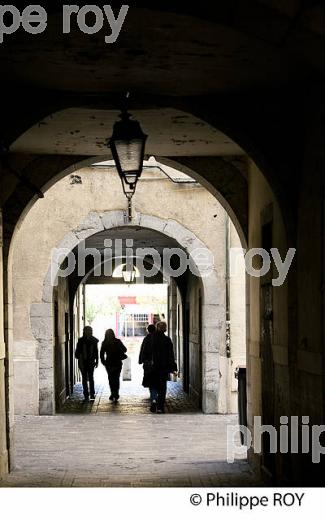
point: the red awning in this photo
(127, 300)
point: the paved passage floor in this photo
(122, 450)
(104, 444)
(134, 400)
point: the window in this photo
(133, 324)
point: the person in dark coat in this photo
(87, 355)
(112, 353)
(150, 329)
(146, 377)
(158, 361)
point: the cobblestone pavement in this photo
(101, 444)
(134, 399)
(120, 450)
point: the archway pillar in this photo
(214, 379)
(43, 329)
(214, 361)
(172, 312)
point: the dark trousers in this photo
(114, 373)
(87, 373)
(160, 385)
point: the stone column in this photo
(3, 416)
(237, 303)
(214, 361)
(172, 313)
(41, 318)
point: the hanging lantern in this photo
(129, 273)
(128, 145)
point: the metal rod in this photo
(130, 209)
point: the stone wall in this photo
(3, 407)
(275, 388)
(307, 362)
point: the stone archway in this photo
(213, 310)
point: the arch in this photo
(230, 188)
(233, 117)
(213, 310)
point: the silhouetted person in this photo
(87, 356)
(158, 357)
(112, 353)
(151, 329)
(147, 367)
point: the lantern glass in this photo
(130, 157)
(129, 274)
(127, 145)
